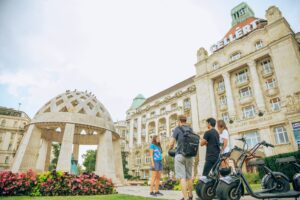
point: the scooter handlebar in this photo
(267, 144)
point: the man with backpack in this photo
(187, 148)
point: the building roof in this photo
(170, 89)
(12, 112)
(137, 101)
(240, 25)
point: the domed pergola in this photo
(73, 118)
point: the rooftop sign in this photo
(238, 33)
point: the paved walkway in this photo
(144, 191)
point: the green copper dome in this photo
(137, 101)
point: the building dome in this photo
(137, 101)
(75, 107)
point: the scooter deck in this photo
(291, 193)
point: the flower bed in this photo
(53, 184)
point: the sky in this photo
(115, 49)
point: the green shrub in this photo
(286, 168)
(253, 178)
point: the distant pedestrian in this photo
(156, 165)
(224, 140)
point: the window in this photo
(174, 106)
(215, 66)
(242, 11)
(242, 76)
(270, 83)
(162, 110)
(275, 103)
(245, 92)
(266, 66)
(138, 161)
(252, 139)
(3, 122)
(152, 114)
(281, 136)
(225, 117)
(221, 86)
(235, 56)
(148, 159)
(259, 44)
(6, 160)
(223, 100)
(248, 112)
(187, 103)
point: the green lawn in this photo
(94, 197)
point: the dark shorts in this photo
(157, 165)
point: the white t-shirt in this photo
(225, 135)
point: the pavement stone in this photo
(168, 194)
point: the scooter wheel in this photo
(283, 185)
(228, 191)
(205, 190)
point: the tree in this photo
(89, 161)
(168, 163)
(55, 150)
(124, 163)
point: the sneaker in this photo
(159, 193)
(152, 193)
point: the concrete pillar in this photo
(65, 154)
(48, 156)
(105, 165)
(230, 102)
(76, 151)
(131, 134)
(26, 157)
(212, 99)
(195, 114)
(139, 129)
(256, 86)
(40, 164)
(118, 161)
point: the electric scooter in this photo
(206, 186)
(232, 187)
(296, 164)
(272, 181)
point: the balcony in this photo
(242, 81)
(246, 100)
(272, 91)
(267, 72)
(223, 107)
(162, 128)
(173, 124)
(151, 131)
(221, 90)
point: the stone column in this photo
(212, 99)
(147, 134)
(256, 86)
(65, 154)
(195, 113)
(76, 151)
(118, 161)
(48, 156)
(131, 134)
(156, 127)
(40, 164)
(6, 141)
(168, 127)
(265, 134)
(230, 102)
(139, 129)
(105, 165)
(26, 157)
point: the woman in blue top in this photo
(156, 165)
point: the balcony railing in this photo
(272, 91)
(187, 106)
(223, 106)
(161, 128)
(221, 90)
(267, 72)
(242, 80)
(246, 99)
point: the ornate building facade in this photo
(12, 123)
(251, 80)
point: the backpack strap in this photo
(181, 129)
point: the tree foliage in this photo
(55, 151)
(89, 161)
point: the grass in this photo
(94, 197)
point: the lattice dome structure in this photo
(73, 118)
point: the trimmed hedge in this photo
(286, 168)
(53, 183)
